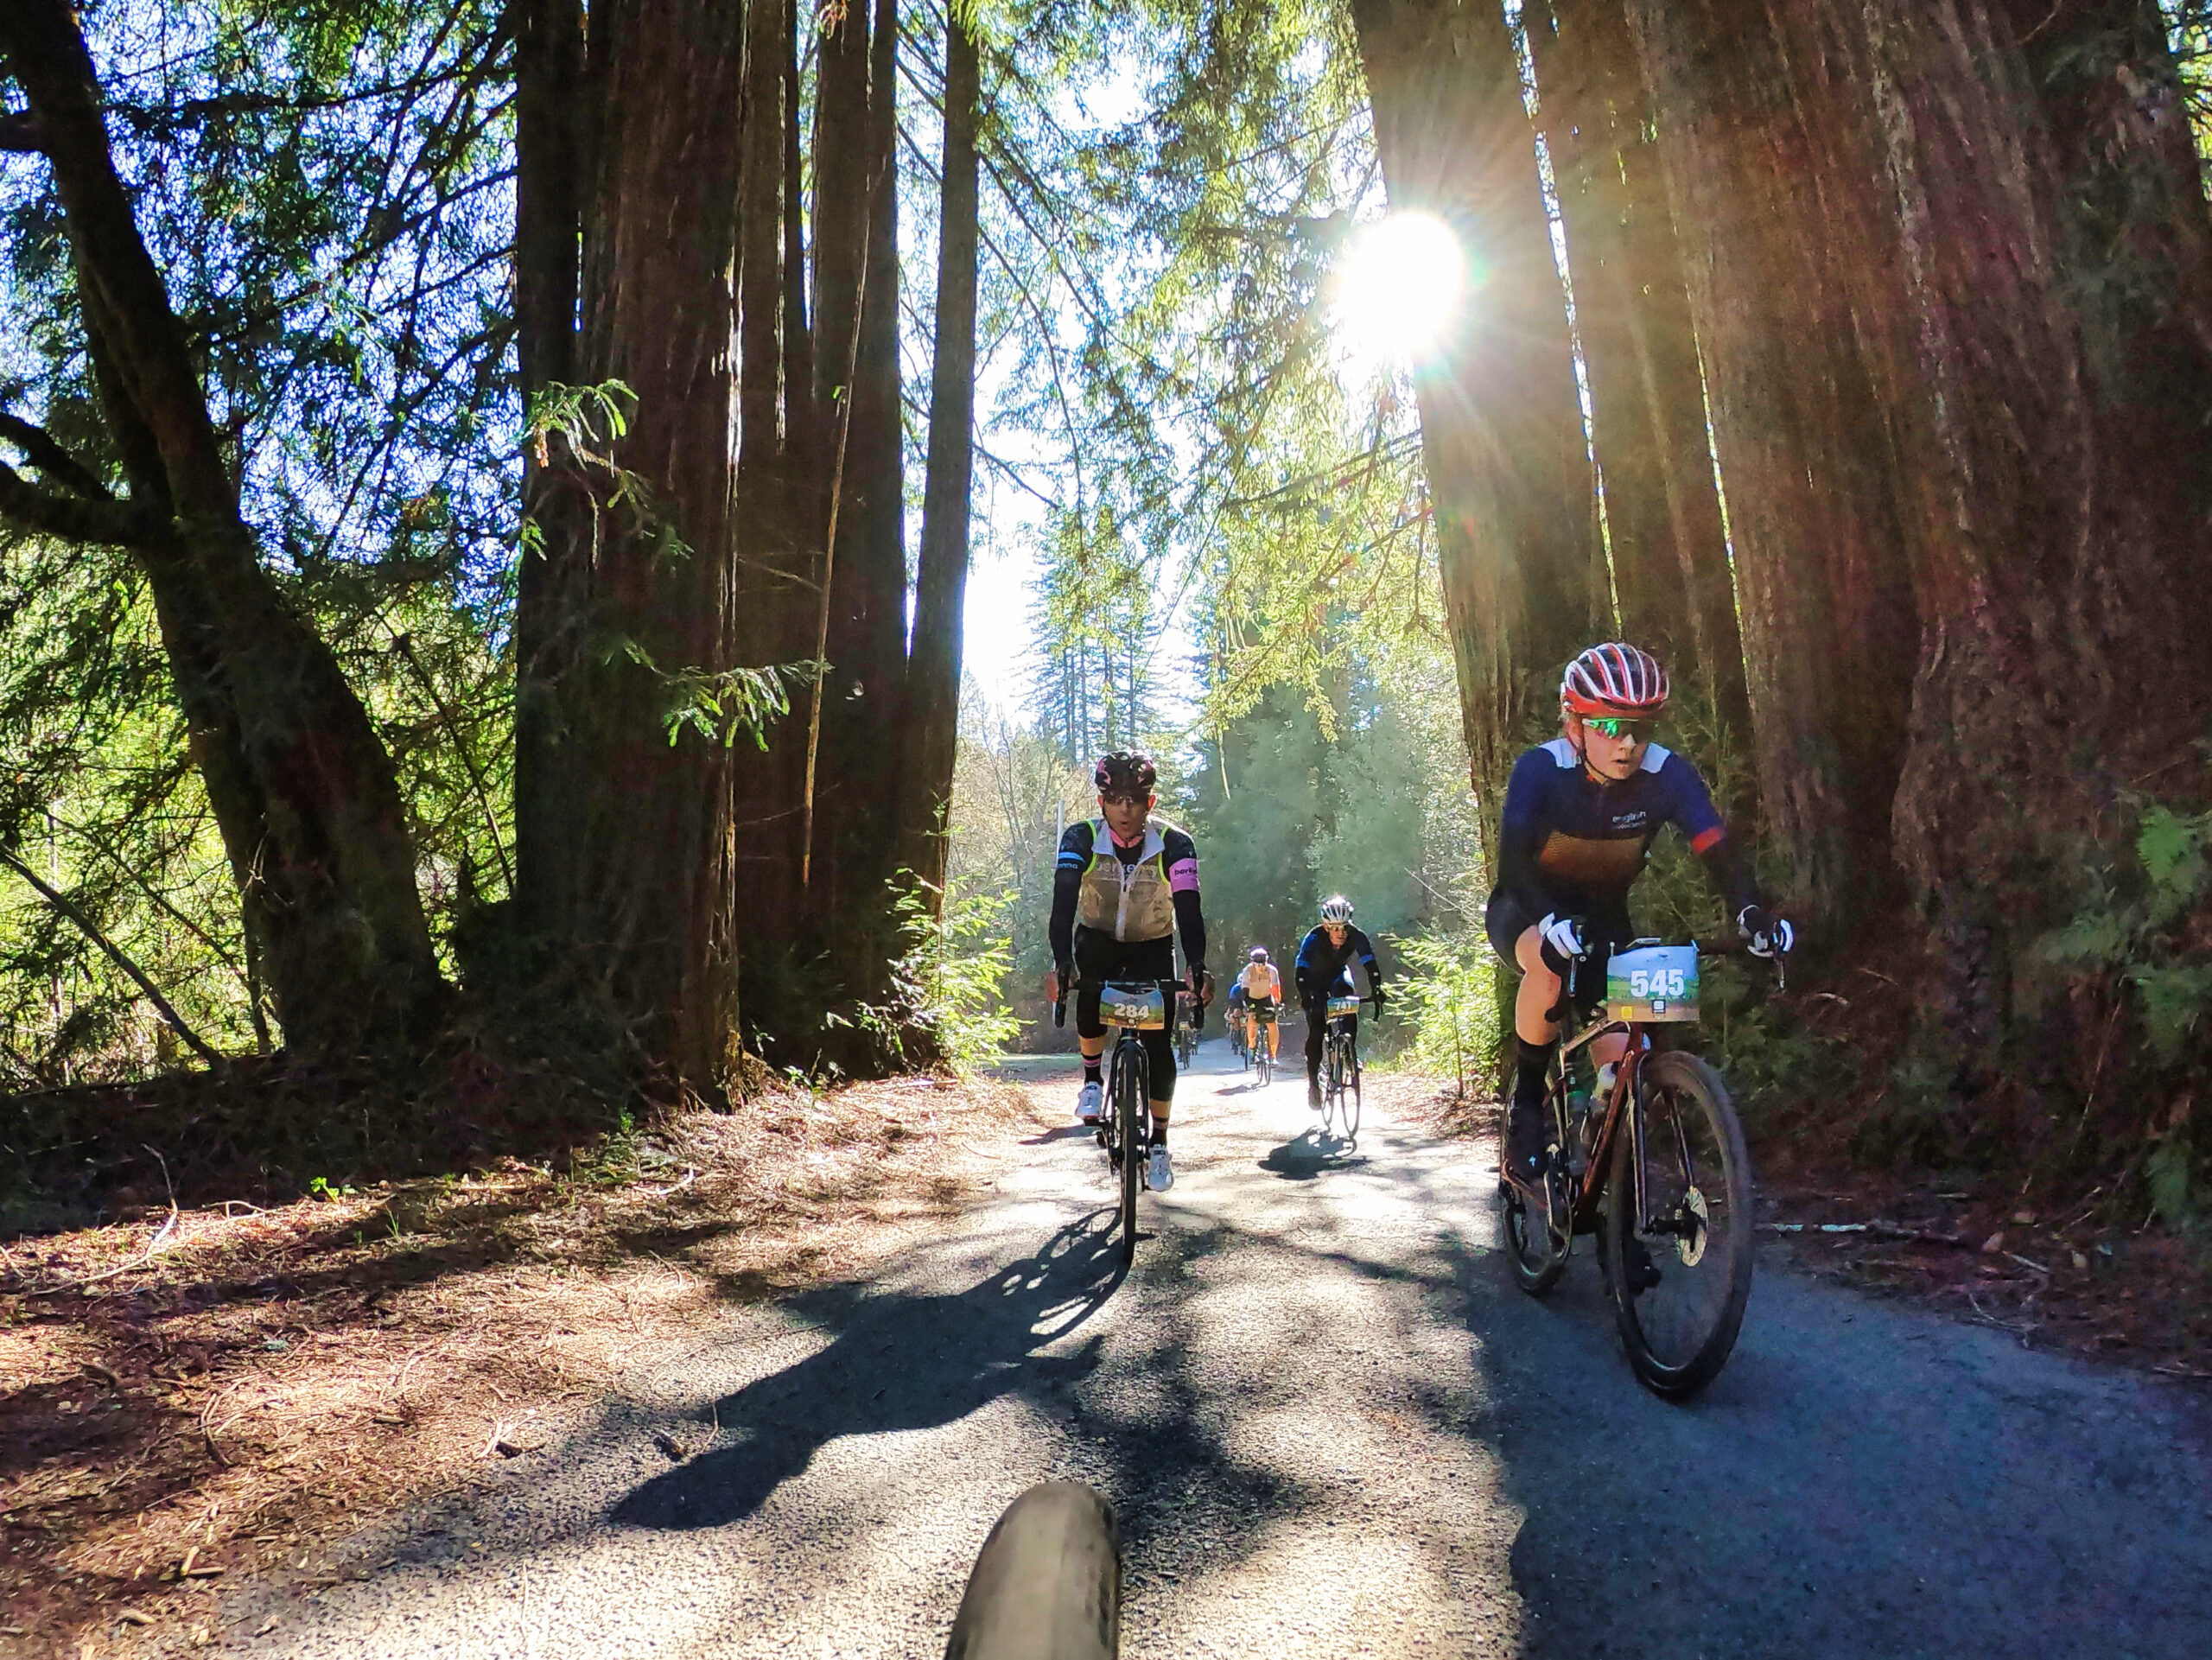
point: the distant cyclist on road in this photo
(1323, 970)
(1262, 983)
(1123, 889)
(1580, 814)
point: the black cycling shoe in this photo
(1314, 1094)
(1643, 1272)
(1527, 1155)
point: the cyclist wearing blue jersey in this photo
(1323, 970)
(1580, 814)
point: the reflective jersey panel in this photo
(1589, 837)
(1128, 892)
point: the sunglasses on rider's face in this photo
(1125, 800)
(1613, 726)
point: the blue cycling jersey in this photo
(1572, 844)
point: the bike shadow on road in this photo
(1309, 1152)
(898, 1361)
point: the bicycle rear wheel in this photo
(1130, 1092)
(1696, 1228)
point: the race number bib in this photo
(1656, 984)
(1135, 1008)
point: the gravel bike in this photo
(1186, 1026)
(1262, 1019)
(1653, 1163)
(1129, 1008)
(1340, 1068)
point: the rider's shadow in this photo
(1310, 1152)
(899, 1362)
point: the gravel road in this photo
(1330, 1427)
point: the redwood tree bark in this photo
(1782, 278)
(2048, 342)
(857, 838)
(654, 848)
(549, 145)
(933, 668)
(1508, 474)
(1648, 416)
(304, 794)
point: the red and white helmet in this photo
(1614, 678)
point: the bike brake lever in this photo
(1060, 1012)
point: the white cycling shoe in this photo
(1161, 1176)
(1091, 1104)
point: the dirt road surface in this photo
(1330, 1427)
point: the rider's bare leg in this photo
(1539, 996)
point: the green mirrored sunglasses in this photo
(1613, 726)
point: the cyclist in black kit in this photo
(1323, 970)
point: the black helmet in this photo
(1126, 772)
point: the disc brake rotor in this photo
(1689, 1244)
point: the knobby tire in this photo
(1679, 1334)
(1048, 1581)
(1537, 1253)
(1130, 1092)
(1347, 1100)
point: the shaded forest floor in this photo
(191, 1394)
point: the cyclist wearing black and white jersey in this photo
(1125, 885)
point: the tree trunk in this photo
(2048, 338)
(549, 187)
(1509, 473)
(933, 669)
(760, 234)
(659, 314)
(776, 594)
(304, 794)
(1807, 457)
(856, 838)
(1648, 417)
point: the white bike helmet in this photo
(1336, 908)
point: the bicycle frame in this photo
(1624, 1103)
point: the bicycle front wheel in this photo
(1129, 1091)
(1536, 1250)
(1677, 1228)
(1348, 1104)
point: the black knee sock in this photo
(1529, 1074)
(1092, 1070)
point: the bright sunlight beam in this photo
(1393, 287)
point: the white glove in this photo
(1562, 934)
(1769, 934)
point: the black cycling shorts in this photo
(1504, 922)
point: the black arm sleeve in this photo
(1732, 874)
(1067, 884)
(1192, 926)
(1366, 951)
